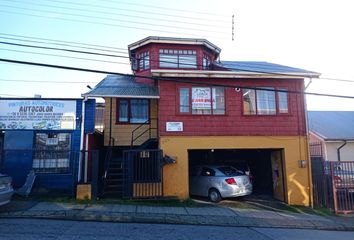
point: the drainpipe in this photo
(340, 147)
(307, 146)
(82, 135)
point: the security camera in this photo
(237, 89)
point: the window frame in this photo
(118, 122)
(190, 106)
(178, 53)
(277, 102)
(143, 58)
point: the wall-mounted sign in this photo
(37, 114)
(174, 126)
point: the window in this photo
(283, 101)
(133, 110)
(263, 102)
(52, 152)
(266, 104)
(144, 60)
(204, 100)
(184, 100)
(172, 58)
(206, 62)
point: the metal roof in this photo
(332, 125)
(122, 86)
(265, 67)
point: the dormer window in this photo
(173, 58)
(206, 62)
(144, 60)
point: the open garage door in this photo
(265, 165)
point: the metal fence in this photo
(144, 178)
(333, 185)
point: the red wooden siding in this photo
(234, 122)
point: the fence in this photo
(333, 185)
(144, 176)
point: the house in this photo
(195, 109)
(332, 134)
(45, 135)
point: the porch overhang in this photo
(114, 86)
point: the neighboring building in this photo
(332, 134)
(44, 135)
(205, 111)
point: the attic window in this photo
(144, 60)
(174, 58)
(206, 62)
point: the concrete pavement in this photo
(210, 215)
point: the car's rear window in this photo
(230, 171)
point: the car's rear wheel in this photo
(214, 195)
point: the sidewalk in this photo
(217, 216)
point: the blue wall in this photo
(18, 156)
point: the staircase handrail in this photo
(133, 139)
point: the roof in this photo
(122, 86)
(173, 40)
(332, 125)
(265, 67)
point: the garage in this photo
(265, 166)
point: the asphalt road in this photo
(53, 229)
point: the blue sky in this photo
(314, 35)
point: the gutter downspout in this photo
(338, 149)
(307, 146)
(82, 135)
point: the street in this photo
(53, 229)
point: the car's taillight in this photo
(230, 181)
(337, 179)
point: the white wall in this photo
(346, 152)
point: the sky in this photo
(313, 35)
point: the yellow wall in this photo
(122, 132)
(297, 184)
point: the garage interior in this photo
(265, 166)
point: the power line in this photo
(105, 24)
(61, 41)
(39, 81)
(137, 11)
(120, 56)
(120, 14)
(172, 79)
(59, 44)
(61, 49)
(166, 8)
(111, 19)
(337, 79)
(63, 56)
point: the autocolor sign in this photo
(37, 114)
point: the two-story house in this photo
(200, 110)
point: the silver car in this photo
(217, 182)
(6, 189)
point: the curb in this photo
(225, 221)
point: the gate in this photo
(144, 173)
(333, 185)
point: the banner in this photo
(201, 98)
(37, 114)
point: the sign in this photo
(201, 98)
(37, 114)
(174, 126)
